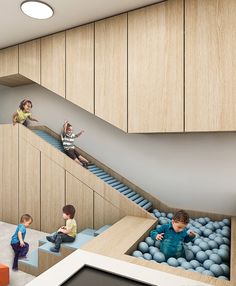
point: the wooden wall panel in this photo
(81, 197)
(80, 66)
(52, 194)
(210, 65)
(53, 63)
(29, 60)
(9, 157)
(29, 182)
(155, 68)
(9, 61)
(1, 169)
(111, 70)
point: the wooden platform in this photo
(122, 239)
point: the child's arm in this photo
(32, 119)
(80, 133)
(65, 229)
(158, 233)
(14, 117)
(20, 239)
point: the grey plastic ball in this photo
(225, 233)
(215, 250)
(224, 254)
(137, 253)
(186, 265)
(226, 221)
(153, 249)
(201, 256)
(223, 278)
(208, 273)
(210, 226)
(163, 214)
(194, 263)
(212, 244)
(219, 240)
(226, 240)
(207, 232)
(204, 245)
(225, 269)
(149, 241)
(207, 219)
(216, 225)
(197, 241)
(143, 246)
(221, 223)
(189, 255)
(215, 258)
(216, 270)
(224, 246)
(173, 262)
(157, 214)
(212, 236)
(157, 243)
(159, 257)
(147, 256)
(200, 269)
(195, 249)
(170, 215)
(208, 252)
(202, 221)
(207, 264)
(181, 260)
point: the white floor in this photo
(17, 278)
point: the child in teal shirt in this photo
(173, 235)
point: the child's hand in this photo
(160, 236)
(191, 233)
(22, 243)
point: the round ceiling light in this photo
(37, 9)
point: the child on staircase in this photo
(23, 114)
(18, 244)
(68, 138)
(65, 233)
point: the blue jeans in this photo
(60, 237)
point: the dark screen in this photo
(89, 276)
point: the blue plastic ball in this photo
(225, 269)
(208, 252)
(226, 240)
(207, 232)
(219, 240)
(194, 263)
(224, 254)
(212, 244)
(173, 262)
(223, 278)
(210, 226)
(200, 269)
(186, 265)
(189, 255)
(163, 214)
(159, 257)
(143, 246)
(216, 225)
(195, 249)
(215, 250)
(202, 221)
(216, 270)
(212, 236)
(207, 264)
(226, 221)
(204, 245)
(137, 253)
(147, 256)
(208, 273)
(181, 260)
(201, 256)
(157, 214)
(221, 223)
(170, 215)
(197, 241)
(157, 243)
(207, 219)
(225, 233)
(149, 241)
(153, 249)
(224, 246)
(215, 258)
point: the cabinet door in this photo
(155, 68)
(9, 61)
(9, 173)
(210, 65)
(81, 197)
(29, 60)
(111, 70)
(52, 194)
(80, 66)
(53, 63)
(29, 182)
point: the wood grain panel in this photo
(29, 182)
(80, 66)
(9, 151)
(111, 70)
(29, 60)
(9, 61)
(81, 197)
(210, 65)
(53, 63)
(52, 194)
(155, 68)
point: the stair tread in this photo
(32, 259)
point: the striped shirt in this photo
(68, 141)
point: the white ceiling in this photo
(15, 27)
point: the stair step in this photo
(46, 248)
(101, 230)
(88, 231)
(32, 259)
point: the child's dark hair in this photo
(26, 217)
(68, 125)
(23, 102)
(69, 210)
(181, 216)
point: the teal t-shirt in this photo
(15, 238)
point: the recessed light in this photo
(37, 9)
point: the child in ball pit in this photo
(173, 235)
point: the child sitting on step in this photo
(68, 138)
(23, 113)
(65, 233)
(18, 244)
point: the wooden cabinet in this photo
(111, 70)
(29, 60)
(52, 194)
(53, 63)
(29, 182)
(210, 65)
(80, 66)
(9, 61)
(81, 197)
(9, 173)
(155, 68)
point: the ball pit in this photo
(208, 254)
